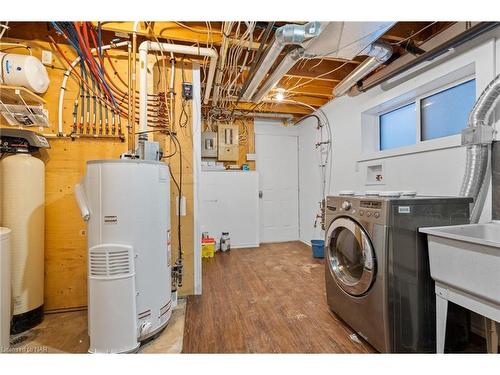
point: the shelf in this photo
(19, 96)
(21, 107)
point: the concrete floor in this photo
(67, 333)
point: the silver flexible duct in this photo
(290, 34)
(378, 54)
(478, 137)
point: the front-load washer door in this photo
(350, 256)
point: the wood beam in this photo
(314, 79)
(274, 107)
(192, 33)
(332, 70)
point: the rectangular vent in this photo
(165, 309)
(110, 219)
(110, 261)
(144, 314)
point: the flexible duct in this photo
(147, 46)
(285, 35)
(451, 44)
(478, 137)
(378, 54)
(285, 65)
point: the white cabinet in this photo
(229, 202)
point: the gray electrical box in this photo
(209, 144)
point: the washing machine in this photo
(377, 267)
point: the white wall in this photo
(433, 172)
(309, 181)
(229, 202)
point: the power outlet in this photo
(46, 57)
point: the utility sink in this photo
(467, 258)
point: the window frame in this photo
(379, 125)
(418, 109)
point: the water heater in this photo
(126, 204)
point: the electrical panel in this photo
(209, 144)
(228, 142)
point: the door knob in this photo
(261, 193)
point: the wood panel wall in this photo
(65, 240)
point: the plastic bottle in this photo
(225, 242)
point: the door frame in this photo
(196, 118)
(276, 128)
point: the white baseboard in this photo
(308, 243)
(244, 246)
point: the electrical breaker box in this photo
(209, 145)
(228, 142)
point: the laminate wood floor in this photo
(269, 299)
(67, 333)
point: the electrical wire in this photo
(413, 34)
(14, 46)
(4, 27)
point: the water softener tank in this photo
(23, 211)
(127, 205)
(4, 289)
(23, 70)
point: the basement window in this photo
(445, 113)
(398, 127)
(438, 114)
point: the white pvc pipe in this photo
(147, 46)
(65, 80)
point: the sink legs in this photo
(491, 328)
(441, 315)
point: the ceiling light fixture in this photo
(279, 95)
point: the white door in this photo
(277, 164)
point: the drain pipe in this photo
(147, 46)
(290, 34)
(477, 137)
(378, 54)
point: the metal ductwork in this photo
(378, 54)
(478, 137)
(284, 36)
(285, 65)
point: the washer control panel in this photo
(346, 205)
(367, 209)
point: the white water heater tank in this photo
(23, 70)
(22, 209)
(127, 205)
(4, 289)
